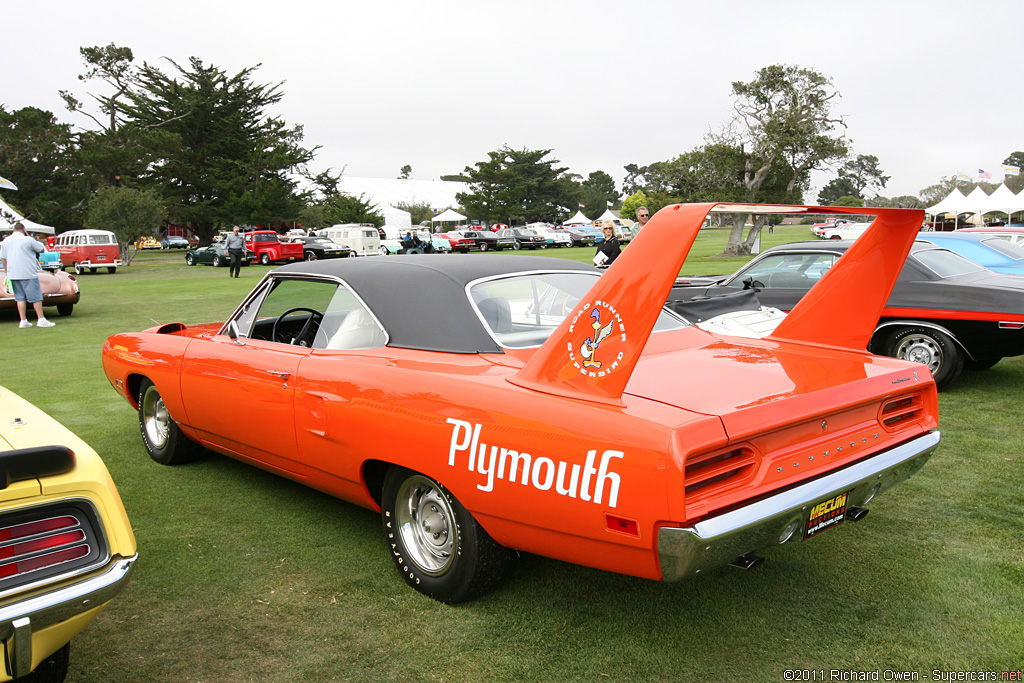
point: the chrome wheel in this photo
(155, 419)
(426, 524)
(920, 348)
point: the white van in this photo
(363, 239)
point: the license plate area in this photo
(826, 514)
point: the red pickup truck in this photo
(269, 248)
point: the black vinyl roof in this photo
(421, 298)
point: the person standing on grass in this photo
(19, 255)
(234, 244)
(609, 249)
(642, 216)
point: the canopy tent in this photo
(578, 219)
(437, 194)
(954, 203)
(8, 217)
(448, 216)
(1005, 201)
(608, 215)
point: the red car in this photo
(499, 403)
(459, 242)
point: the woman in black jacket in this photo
(608, 250)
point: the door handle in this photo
(282, 375)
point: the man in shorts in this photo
(19, 255)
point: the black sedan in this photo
(487, 240)
(524, 237)
(215, 255)
(945, 311)
(315, 248)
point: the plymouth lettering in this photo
(590, 481)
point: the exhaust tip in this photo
(857, 514)
(747, 562)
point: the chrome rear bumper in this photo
(719, 540)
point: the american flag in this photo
(984, 174)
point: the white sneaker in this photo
(43, 322)
(24, 323)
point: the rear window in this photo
(945, 263)
(1006, 248)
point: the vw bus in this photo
(364, 240)
(92, 249)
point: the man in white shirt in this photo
(19, 255)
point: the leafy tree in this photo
(849, 200)
(419, 212)
(37, 154)
(901, 202)
(783, 118)
(631, 203)
(458, 177)
(406, 170)
(1015, 182)
(128, 213)
(598, 192)
(836, 188)
(231, 162)
(516, 185)
(933, 194)
(865, 175)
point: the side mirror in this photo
(748, 283)
(234, 334)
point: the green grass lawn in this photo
(247, 577)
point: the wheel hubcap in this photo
(921, 349)
(155, 419)
(426, 525)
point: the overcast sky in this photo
(931, 88)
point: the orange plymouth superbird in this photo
(492, 404)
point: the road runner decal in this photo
(589, 320)
(590, 482)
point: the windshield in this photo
(523, 310)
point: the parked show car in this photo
(457, 242)
(1010, 233)
(215, 255)
(554, 238)
(515, 403)
(88, 250)
(66, 546)
(485, 240)
(149, 242)
(945, 311)
(174, 242)
(991, 252)
(842, 231)
(417, 242)
(578, 238)
(524, 237)
(269, 248)
(59, 289)
(315, 248)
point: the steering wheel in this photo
(300, 339)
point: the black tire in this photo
(438, 547)
(310, 256)
(930, 347)
(483, 246)
(265, 259)
(517, 246)
(980, 363)
(53, 669)
(65, 310)
(111, 269)
(161, 435)
(384, 251)
(93, 270)
(414, 250)
(215, 262)
(189, 260)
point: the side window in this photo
(312, 313)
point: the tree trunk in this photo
(736, 245)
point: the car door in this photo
(782, 279)
(240, 392)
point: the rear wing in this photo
(593, 353)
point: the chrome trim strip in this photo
(719, 540)
(19, 620)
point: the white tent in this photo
(578, 219)
(8, 217)
(448, 216)
(609, 216)
(1005, 201)
(395, 221)
(437, 194)
(954, 203)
